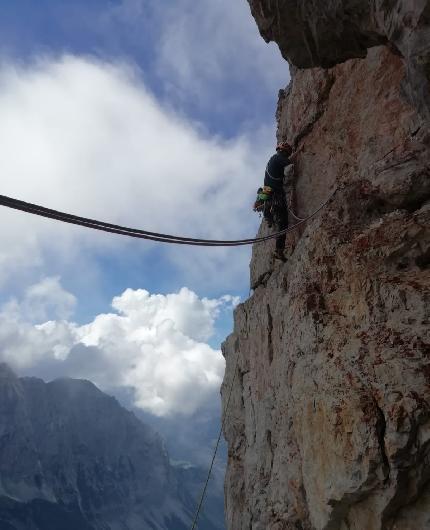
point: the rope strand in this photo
(48, 213)
(203, 495)
(296, 217)
(143, 234)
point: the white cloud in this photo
(42, 301)
(155, 344)
(202, 49)
(216, 41)
(87, 137)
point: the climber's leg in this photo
(281, 223)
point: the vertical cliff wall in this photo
(329, 421)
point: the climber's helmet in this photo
(284, 147)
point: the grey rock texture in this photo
(329, 421)
(72, 458)
(312, 33)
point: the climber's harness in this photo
(268, 198)
(268, 203)
(263, 200)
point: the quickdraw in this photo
(264, 195)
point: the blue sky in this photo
(143, 32)
(148, 113)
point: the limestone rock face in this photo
(312, 33)
(329, 421)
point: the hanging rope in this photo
(48, 213)
(296, 217)
(203, 495)
(143, 234)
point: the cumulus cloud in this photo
(157, 345)
(42, 301)
(87, 137)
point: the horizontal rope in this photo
(142, 234)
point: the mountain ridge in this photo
(70, 452)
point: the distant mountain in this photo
(72, 458)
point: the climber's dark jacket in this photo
(274, 175)
(277, 213)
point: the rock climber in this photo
(271, 199)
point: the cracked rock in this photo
(329, 421)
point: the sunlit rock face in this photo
(71, 458)
(329, 421)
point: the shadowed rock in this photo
(312, 33)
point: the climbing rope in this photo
(163, 238)
(296, 217)
(48, 213)
(203, 495)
